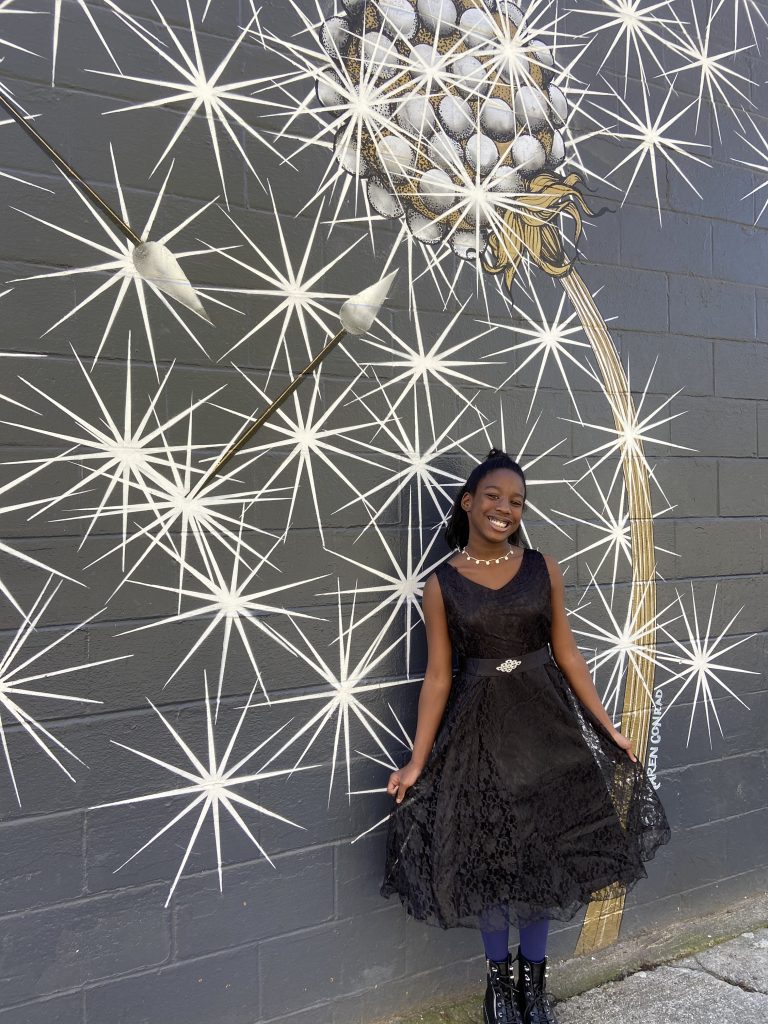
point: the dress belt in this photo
(492, 666)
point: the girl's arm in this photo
(571, 661)
(434, 690)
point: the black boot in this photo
(500, 1006)
(534, 1003)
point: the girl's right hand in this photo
(402, 780)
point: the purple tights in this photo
(533, 941)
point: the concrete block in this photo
(41, 861)
(66, 1009)
(224, 987)
(739, 368)
(715, 426)
(337, 959)
(634, 300)
(714, 547)
(257, 902)
(711, 309)
(644, 242)
(85, 941)
(743, 487)
(740, 253)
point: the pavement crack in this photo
(713, 974)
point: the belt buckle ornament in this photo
(509, 665)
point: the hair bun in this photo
(493, 453)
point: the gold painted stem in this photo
(603, 918)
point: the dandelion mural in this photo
(453, 141)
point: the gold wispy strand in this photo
(532, 228)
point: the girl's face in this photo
(496, 507)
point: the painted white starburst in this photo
(181, 501)
(21, 676)
(652, 141)
(558, 339)
(620, 643)
(761, 166)
(226, 599)
(419, 456)
(613, 527)
(635, 429)
(398, 588)
(207, 93)
(209, 785)
(120, 451)
(422, 361)
(301, 434)
(701, 671)
(119, 268)
(297, 301)
(641, 25)
(719, 80)
(342, 696)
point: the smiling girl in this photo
(521, 801)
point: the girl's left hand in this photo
(620, 740)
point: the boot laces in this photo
(506, 1011)
(539, 1008)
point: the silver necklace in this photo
(487, 561)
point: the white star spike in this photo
(118, 452)
(636, 23)
(205, 91)
(57, 29)
(341, 705)
(10, 7)
(299, 303)
(714, 73)
(652, 140)
(18, 676)
(399, 587)
(9, 121)
(700, 657)
(231, 601)
(119, 265)
(558, 340)
(751, 10)
(634, 431)
(209, 788)
(621, 644)
(761, 167)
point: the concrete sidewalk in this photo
(707, 971)
(726, 983)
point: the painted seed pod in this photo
(461, 115)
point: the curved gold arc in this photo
(603, 918)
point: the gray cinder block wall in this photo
(308, 940)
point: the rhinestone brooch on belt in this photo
(509, 665)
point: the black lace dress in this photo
(526, 807)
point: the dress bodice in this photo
(506, 622)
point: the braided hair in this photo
(457, 527)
